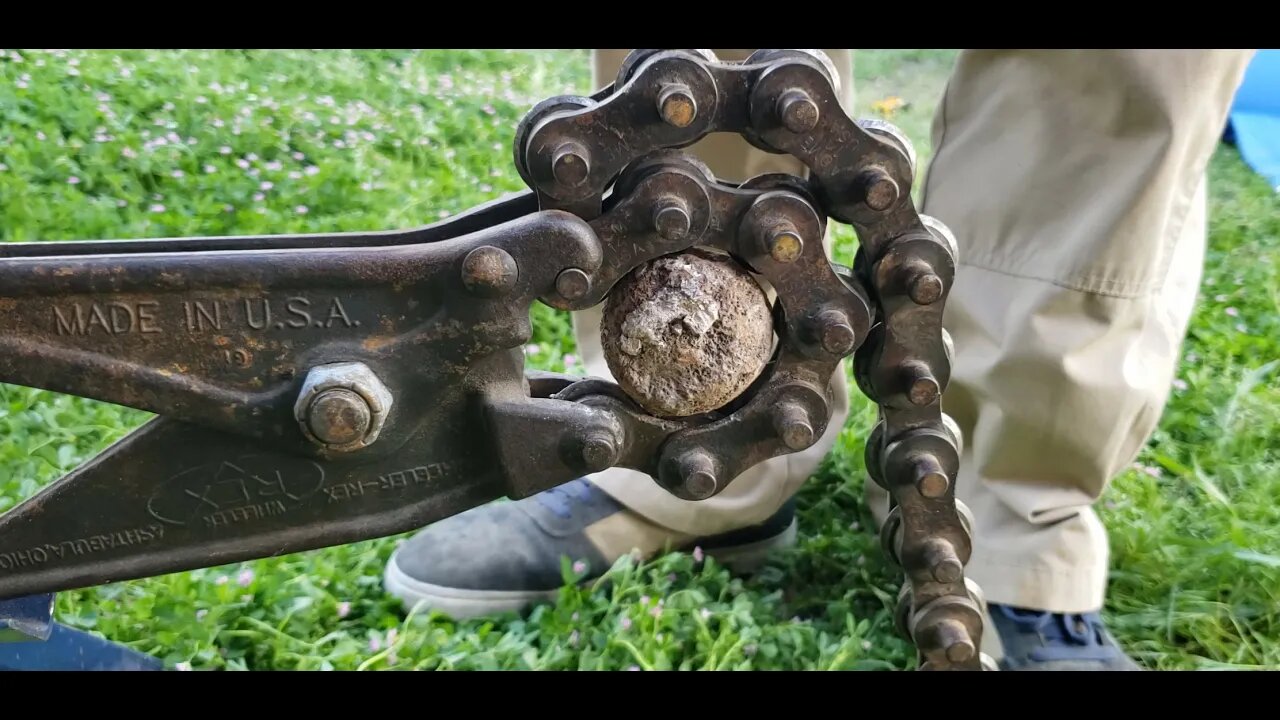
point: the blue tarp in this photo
(1254, 124)
(69, 650)
(31, 640)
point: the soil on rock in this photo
(686, 334)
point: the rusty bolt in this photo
(672, 221)
(943, 562)
(677, 106)
(599, 451)
(342, 406)
(784, 243)
(798, 112)
(489, 271)
(922, 388)
(954, 638)
(880, 191)
(836, 333)
(930, 480)
(572, 283)
(339, 417)
(925, 289)
(698, 474)
(791, 422)
(923, 286)
(571, 164)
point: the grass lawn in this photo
(146, 144)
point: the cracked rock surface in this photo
(686, 334)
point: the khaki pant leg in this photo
(1075, 184)
(759, 492)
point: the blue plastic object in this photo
(1254, 123)
(31, 640)
(68, 649)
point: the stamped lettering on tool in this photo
(239, 357)
(233, 492)
(292, 313)
(110, 318)
(392, 481)
(54, 552)
(207, 315)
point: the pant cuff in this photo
(726, 512)
(1039, 587)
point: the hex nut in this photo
(351, 376)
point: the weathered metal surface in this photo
(175, 496)
(220, 335)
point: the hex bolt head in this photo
(571, 164)
(791, 422)
(672, 221)
(489, 271)
(698, 474)
(798, 112)
(677, 106)
(572, 283)
(835, 332)
(339, 417)
(342, 406)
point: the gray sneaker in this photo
(505, 556)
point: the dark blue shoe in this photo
(505, 556)
(1038, 640)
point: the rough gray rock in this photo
(687, 333)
